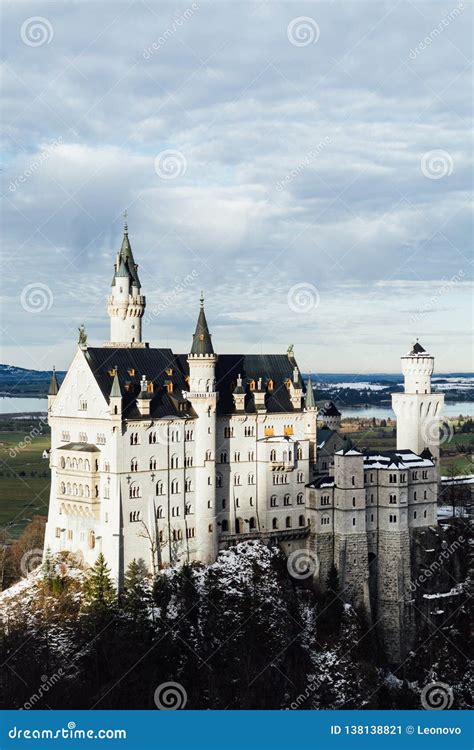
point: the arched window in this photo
(174, 487)
(152, 463)
(251, 479)
(299, 453)
(302, 521)
(187, 509)
(273, 501)
(74, 463)
(159, 511)
(237, 479)
(252, 523)
(225, 526)
(88, 492)
(159, 488)
(218, 480)
(91, 539)
(223, 458)
(188, 486)
(81, 491)
(353, 480)
(287, 500)
(208, 455)
(174, 461)
(300, 499)
(274, 523)
(134, 490)
(87, 465)
(80, 464)
(273, 455)
(288, 522)
(63, 488)
(134, 464)
(74, 489)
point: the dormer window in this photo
(169, 371)
(131, 372)
(83, 404)
(252, 385)
(270, 385)
(169, 386)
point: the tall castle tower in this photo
(203, 397)
(311, 416)
(418, 409)
(126, 305)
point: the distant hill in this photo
(19, 381)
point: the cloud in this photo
(302, 164)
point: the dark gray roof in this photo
(330, 410)
(153, 363)
(202, 343)
(84, 447)
(310, 403)
(322, 479)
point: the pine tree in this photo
(136, 598)
(98, 590)
(332, 606)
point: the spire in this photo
(115, 391)
(309, 398)
(202, 343)
(126, 265)
(53, 384)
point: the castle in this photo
(171, 457)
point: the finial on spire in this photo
(201, 298)
(125, 224)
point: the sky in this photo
(307, 165)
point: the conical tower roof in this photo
(126, 266)
(310, 403)
(202, 343)
(115, 391)
(53, 384)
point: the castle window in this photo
(159, 488)
(414, 475)
(353, 480)
(273, 501)
(82, 404)
(62, 462)
(251, 479)
(188, 487)
(208, 455)
(189, 435)
(393, 499)
(223, 458)
(273, 455)
(91, 540)
(228, 432)
(134, 516)
(210, 528)
(237, 456)
(392, 518)
(224, 503)
(424, 514)
(236, 479)
(288, 522)
(187, 509)
(353, 521)
(169, 386)
(252, 523)
(403, 478)
(100, 438)
(106, 492)
(188, 461)
(325, 465)
(159, 511)
(325, 500)
(274, 523)
(300, 454)
(372, 517)
(414, 514)
(237, 502)
(152, 463)
(225, 526)
(174, 461)
(134, 490)
(424, 495)
(325, 521)
(82, 437)
(174, 487)
(288, 429)
(63, 488)
(134, 464)
(134, 438)
(270, 385)
(65, 437)
(300, 499)
(252, 385)
(353, 502)
(300, 477)
(251, 456)
(302, 521)
(287, 500)
(425, 475)
(414, 495)
(152, 437)
(371, 498)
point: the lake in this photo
(22, 404)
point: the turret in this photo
(203, 397)
(144, 398)
(418, 409)
(311, 414)
(53, 389)
(126, 305)
(239, 395)
(115, 399)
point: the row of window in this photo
(77, 490)
(77, 463)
